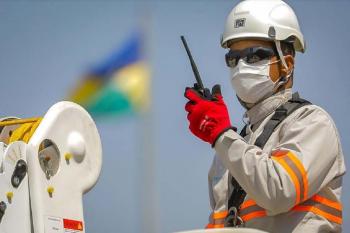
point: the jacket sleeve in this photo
(218, 193)
(303, 162)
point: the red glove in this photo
(208, 117)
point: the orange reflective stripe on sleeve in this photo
(247, 203)
(296, 172)
(250, 210)
(321, 206)
(317, 211)
(301, 169)
(327, 202)
(331, 210)
(293, 177)
(256, 214)
(220, 215)
(211, 226)
(217, 219)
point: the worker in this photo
(283, 172)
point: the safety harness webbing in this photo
(238, 194)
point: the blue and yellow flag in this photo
(119, 84)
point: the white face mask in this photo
(252, 82)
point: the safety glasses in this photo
(249, 55)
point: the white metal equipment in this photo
(61, 162)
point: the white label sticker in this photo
(53, 225)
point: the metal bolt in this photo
(16, 181)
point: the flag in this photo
(118, 84)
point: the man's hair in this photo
(287, 48)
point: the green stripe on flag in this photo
(109, 100)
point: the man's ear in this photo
(290, 63)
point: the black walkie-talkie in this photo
(199, 84)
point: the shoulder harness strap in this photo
(281, 113)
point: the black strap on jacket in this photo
(281, 113)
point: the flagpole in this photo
(147, 163)
(147, 175)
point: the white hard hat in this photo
(263, 19)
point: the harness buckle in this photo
(232, 219)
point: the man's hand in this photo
(208, 117)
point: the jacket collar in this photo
(261, 110)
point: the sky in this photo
(45, 47)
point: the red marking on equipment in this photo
(73, 224)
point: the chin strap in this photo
(272, 35)
(283, 80)
(280, 54)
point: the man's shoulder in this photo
(312, 114)
(312, 109)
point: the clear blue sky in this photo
(46, 45)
